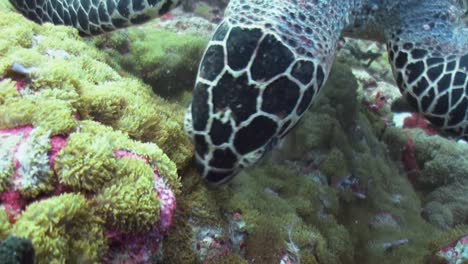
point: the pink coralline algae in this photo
(28, 157)
(168, 202)
(409, 161)
(31, 160)
(417, 121)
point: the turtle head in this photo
(250, 90)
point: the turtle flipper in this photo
(92, 17)
(428, 50)
(260, 72)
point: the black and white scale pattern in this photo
(268, 59)
(93, 17)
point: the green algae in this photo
(284, 200)
(131, 204)
(68, 84)
(62, 228)
(74, 73)
(441, 174)
(5, 226)
(346, 225)
(165, 60)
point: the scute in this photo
(223, 158)
(303, 70)
(241, 44)
(220, 132)
(258, 133)
(281, 97)
(236, 95)
(272, 58)
(200, 108)
(213, 63)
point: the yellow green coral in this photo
(5, 226)
(68, 77)
(62, 229)
(69, 85)
(86, 163)
(124, 186)
(131, 204)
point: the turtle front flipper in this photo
(92, 17)
(264, 65)
(428, 50)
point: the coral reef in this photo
(165, 60)
(89, 159)
(58, 65)
(349, 200)
(433, 162)
(439, 173)
(99, 181)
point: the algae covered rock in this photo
(439, 168)
(335, 181)
(165, 60)
(129, 188)
(76, 234)
(89, 159)
(55, 71)
(14, 250)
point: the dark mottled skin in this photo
(268, 59)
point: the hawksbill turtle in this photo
(268, 59)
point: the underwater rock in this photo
(432, 163)
(350, 202)
(16, 250)
(165, 55)
(435, 165)
(79, 85)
